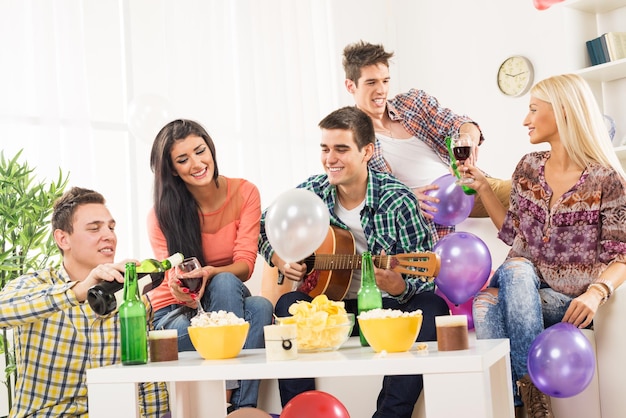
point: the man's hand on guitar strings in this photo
(388, 280)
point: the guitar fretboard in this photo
(347, 262)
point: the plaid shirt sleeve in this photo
(57, 339)
(394, 223)
(34, 297)
(423, 116)
(416, 228)
(265, 249)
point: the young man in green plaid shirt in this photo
(383, 216)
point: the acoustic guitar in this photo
(329, 268)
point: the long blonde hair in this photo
(579, 120)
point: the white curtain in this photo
(259, 75)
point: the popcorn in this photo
(216, 319)
(387, 313)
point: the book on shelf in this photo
(616, 45)
(595, 51)
(593, 58)
(605, 49)
(610, 46)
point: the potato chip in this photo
(318, 323)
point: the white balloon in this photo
(147, 114)
(297, 224)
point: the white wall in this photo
(258, 75)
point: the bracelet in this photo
(609, 286)
(603, 291)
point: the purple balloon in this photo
(561, 362)
(454, 205)
(465, 266)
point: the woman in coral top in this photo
(201, 214)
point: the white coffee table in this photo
(473, 383)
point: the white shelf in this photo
(595, 17)
(594, 6)
(608, 71)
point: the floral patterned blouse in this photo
(571, 243)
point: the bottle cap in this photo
(176, 259)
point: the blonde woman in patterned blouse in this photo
(564, 226)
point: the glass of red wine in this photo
(462, 148)
(189, 273)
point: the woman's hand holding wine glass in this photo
(189, 281)
(462, 147)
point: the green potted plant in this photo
(27, 243)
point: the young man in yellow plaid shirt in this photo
(57, 334)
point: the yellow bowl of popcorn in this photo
(322, 325)
(216, 339)
(390, 330)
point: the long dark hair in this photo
(176, 209)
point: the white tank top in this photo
(412, 161)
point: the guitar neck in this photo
(347, 261)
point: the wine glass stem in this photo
(200, 308)
(459, 165)
(462, 179)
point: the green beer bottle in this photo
(369, 296)
(133, 325)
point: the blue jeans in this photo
(399, 393)
(224, 292)
(520, 310)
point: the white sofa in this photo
(605, 396)
(611, 349)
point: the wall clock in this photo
(515, 76)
